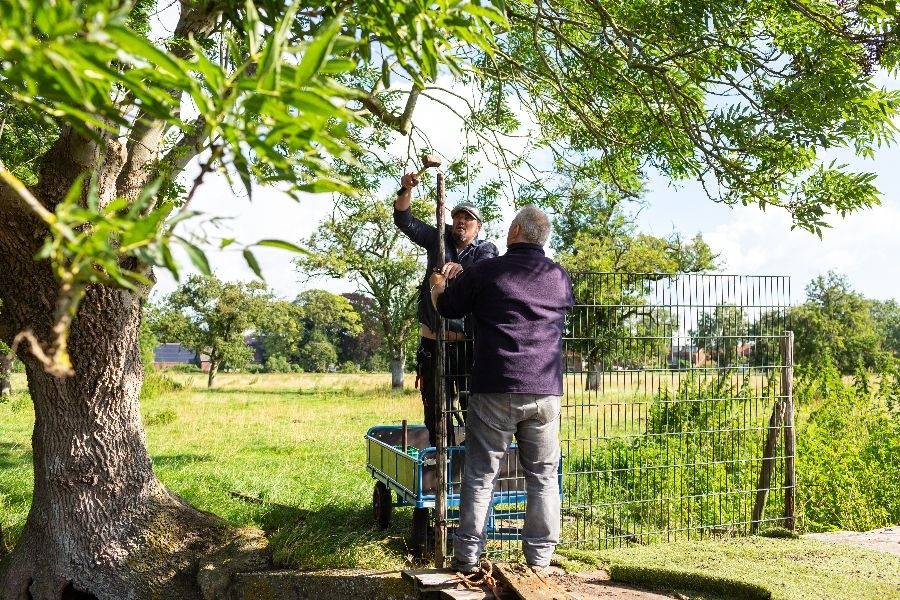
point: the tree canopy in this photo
(213, 318)
(836, 324)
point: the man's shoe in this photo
(465, 568)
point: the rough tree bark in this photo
(100, 521)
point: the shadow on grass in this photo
(333, 536)
(171, 461)
(14, 456)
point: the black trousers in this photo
(457, 371)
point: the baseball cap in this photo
(469, 208)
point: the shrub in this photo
(349, 367)
(317, 355)
(847, 453)
(278, 364)
(711, 427)
(156, 383)
(161, 418)
(185, 368)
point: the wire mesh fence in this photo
(675, 420)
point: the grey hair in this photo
(535, 224)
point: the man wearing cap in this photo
(462, 250)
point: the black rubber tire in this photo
(381, 505)
(421, 533)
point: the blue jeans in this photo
(491, 423)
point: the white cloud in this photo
(865, 246)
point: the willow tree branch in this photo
(401, 123)
(197, 20)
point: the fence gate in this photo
(677, 414)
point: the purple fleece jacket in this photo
(519, 303)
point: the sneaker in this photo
(465, 568)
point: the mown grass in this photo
(755, 568)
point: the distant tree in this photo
(328, 313)
(767, 330)
(836, 321)
(360, 241)
(280, 331)
(721, 333)
(329, 318)
(365, 347)
(317, 354)
(887, 319)
(212, 317)
(607, 240)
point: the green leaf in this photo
(169, 262)
(385, 74)
(283, 245)
(197, 256)
(317, 50)
(213, 74)
(252, 27)
(252, 263)
(140, 48)
(487, 12)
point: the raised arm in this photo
(421, 233)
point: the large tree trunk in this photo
(398, 361)
(5, 369)
(100, 521)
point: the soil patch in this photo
(886, 539)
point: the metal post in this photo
(787, 391)
(440, 503)
(405, 436)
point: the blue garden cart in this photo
(411, 477)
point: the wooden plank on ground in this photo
(430, 578)
(528, 585)
(465, 594)
(436, 584)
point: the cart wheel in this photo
(421, 532)
(381, 505)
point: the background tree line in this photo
(236, 326)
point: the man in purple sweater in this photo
(518, 302)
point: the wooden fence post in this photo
(768, 465)
(790, 476)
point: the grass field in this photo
(296, 443)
